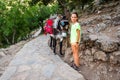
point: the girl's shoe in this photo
(75, 67)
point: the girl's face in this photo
(74, 18)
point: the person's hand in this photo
(77, 42)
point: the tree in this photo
(18, 19)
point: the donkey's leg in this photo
(61, 47)
(54, 45)
(51, 41)
(61, 44)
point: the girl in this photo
(75, 39)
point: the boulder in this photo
(107, 44)
(118, 33)
(100, 55)
(2, 54)
(100, 27)
(115, 57)
(68, 55)
(88, 52)
(88, 40)
(116, 20)
(106, 17)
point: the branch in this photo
(13, 38)
(61, 3)
(8, 42)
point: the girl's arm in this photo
(78, 35)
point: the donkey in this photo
(60, 28)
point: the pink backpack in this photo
(48, 29)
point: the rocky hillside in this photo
(100, 45)
(101, 33)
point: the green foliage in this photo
(65, 4)
(18, 19)
(45, 2)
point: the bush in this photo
(18, 19)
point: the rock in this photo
(93, 50)
(88, 21)
(108, 22)
(23, 68)
(107, 44)
(88, 40)
(88, 52)
(111, 68)
(88, 58)
(100, 55)
(118, 10)
(97, 2)
(116, 53)
(5, 60)
(68, 55)
(1, 70)
(106, 17)
(100, 27)
(82, 47)
(118, 33)
(37, 33)
(115, 57)
(85, 37)
(2, 54)
(116, 20)
(91, 30)
(109, 47)
(93, 37)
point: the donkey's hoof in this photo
(61, 54)
(55, 53)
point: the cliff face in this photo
(100, 45)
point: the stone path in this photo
(36, 61)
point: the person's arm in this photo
(78, 35)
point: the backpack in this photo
(62, 23)
(48, 27)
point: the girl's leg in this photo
(75, 54)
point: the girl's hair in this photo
(75, 13)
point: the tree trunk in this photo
(8, 42)
(13, 38)
(65, 10)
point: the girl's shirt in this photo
(73, 36)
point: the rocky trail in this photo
(36, 61)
